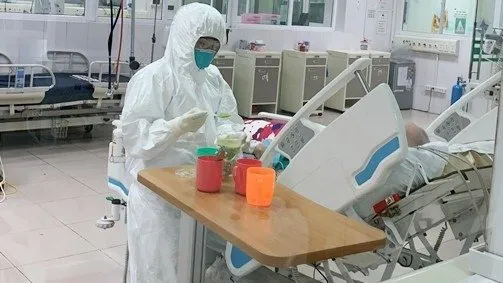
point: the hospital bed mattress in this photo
(68, 88)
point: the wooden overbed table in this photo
(292, 231)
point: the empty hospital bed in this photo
(65, 91)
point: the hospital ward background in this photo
(379, 120)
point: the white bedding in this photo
(405, 172)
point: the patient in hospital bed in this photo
(418, 158)
(404, 175)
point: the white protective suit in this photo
(156, 96)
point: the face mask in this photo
(204, 57)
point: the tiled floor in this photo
(47, 231)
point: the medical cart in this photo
(224, 61)
(401, 80)
(256, 85)
(303, 75)
(377, 73)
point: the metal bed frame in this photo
(19, 109)
(459, 200)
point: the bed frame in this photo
(455, 125)
(452, 199)
(19, 109)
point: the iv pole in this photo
(133, 64)
(156, 3)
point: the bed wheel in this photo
(88, 128)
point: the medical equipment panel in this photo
(401, 80)
(224, 61)
(257, 77)
(428, 44)
(379, 70)
(452, 126)
(338, 61)
(303, 75)
(295, 138)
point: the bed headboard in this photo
(4, 59)
(351, 156)
(455, 120)
(67, 62)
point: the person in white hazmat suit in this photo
(170, 110)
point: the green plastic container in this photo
(206, 151)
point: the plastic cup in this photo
(240, 171)
(209, 174)
(206, 151)
(260, 183)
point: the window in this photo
(48, 7)
(221, 5)
(439, 16)
(276, 12)
(145, 9)
(265, 12)
(312, 13)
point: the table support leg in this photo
(186, 248)
(191, 251)
(198, 264)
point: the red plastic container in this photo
(385, 203)
(239, 174)
(209, 170)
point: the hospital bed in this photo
(340, 164)
(339, 178)
(65, 91)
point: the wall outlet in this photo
(428, 44)
(435, 90)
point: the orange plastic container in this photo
(260, 183)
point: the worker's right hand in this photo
(192, 120)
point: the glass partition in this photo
(265, 12)
(145, 9)
(312, 13)
(454, 17)
(47, 7)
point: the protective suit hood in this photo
(190, 23)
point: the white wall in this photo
(20, 36)
(90, 38)
(346, 37)
(428, 72)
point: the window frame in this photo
(234, 23)
(91, 15)
(400, 21)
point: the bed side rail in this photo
(67, 61)
(314, 103)
(34, 71)
(102, 68)
(13, 92)
(454, 120)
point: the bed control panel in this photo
(295, 139)
(452, 126)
